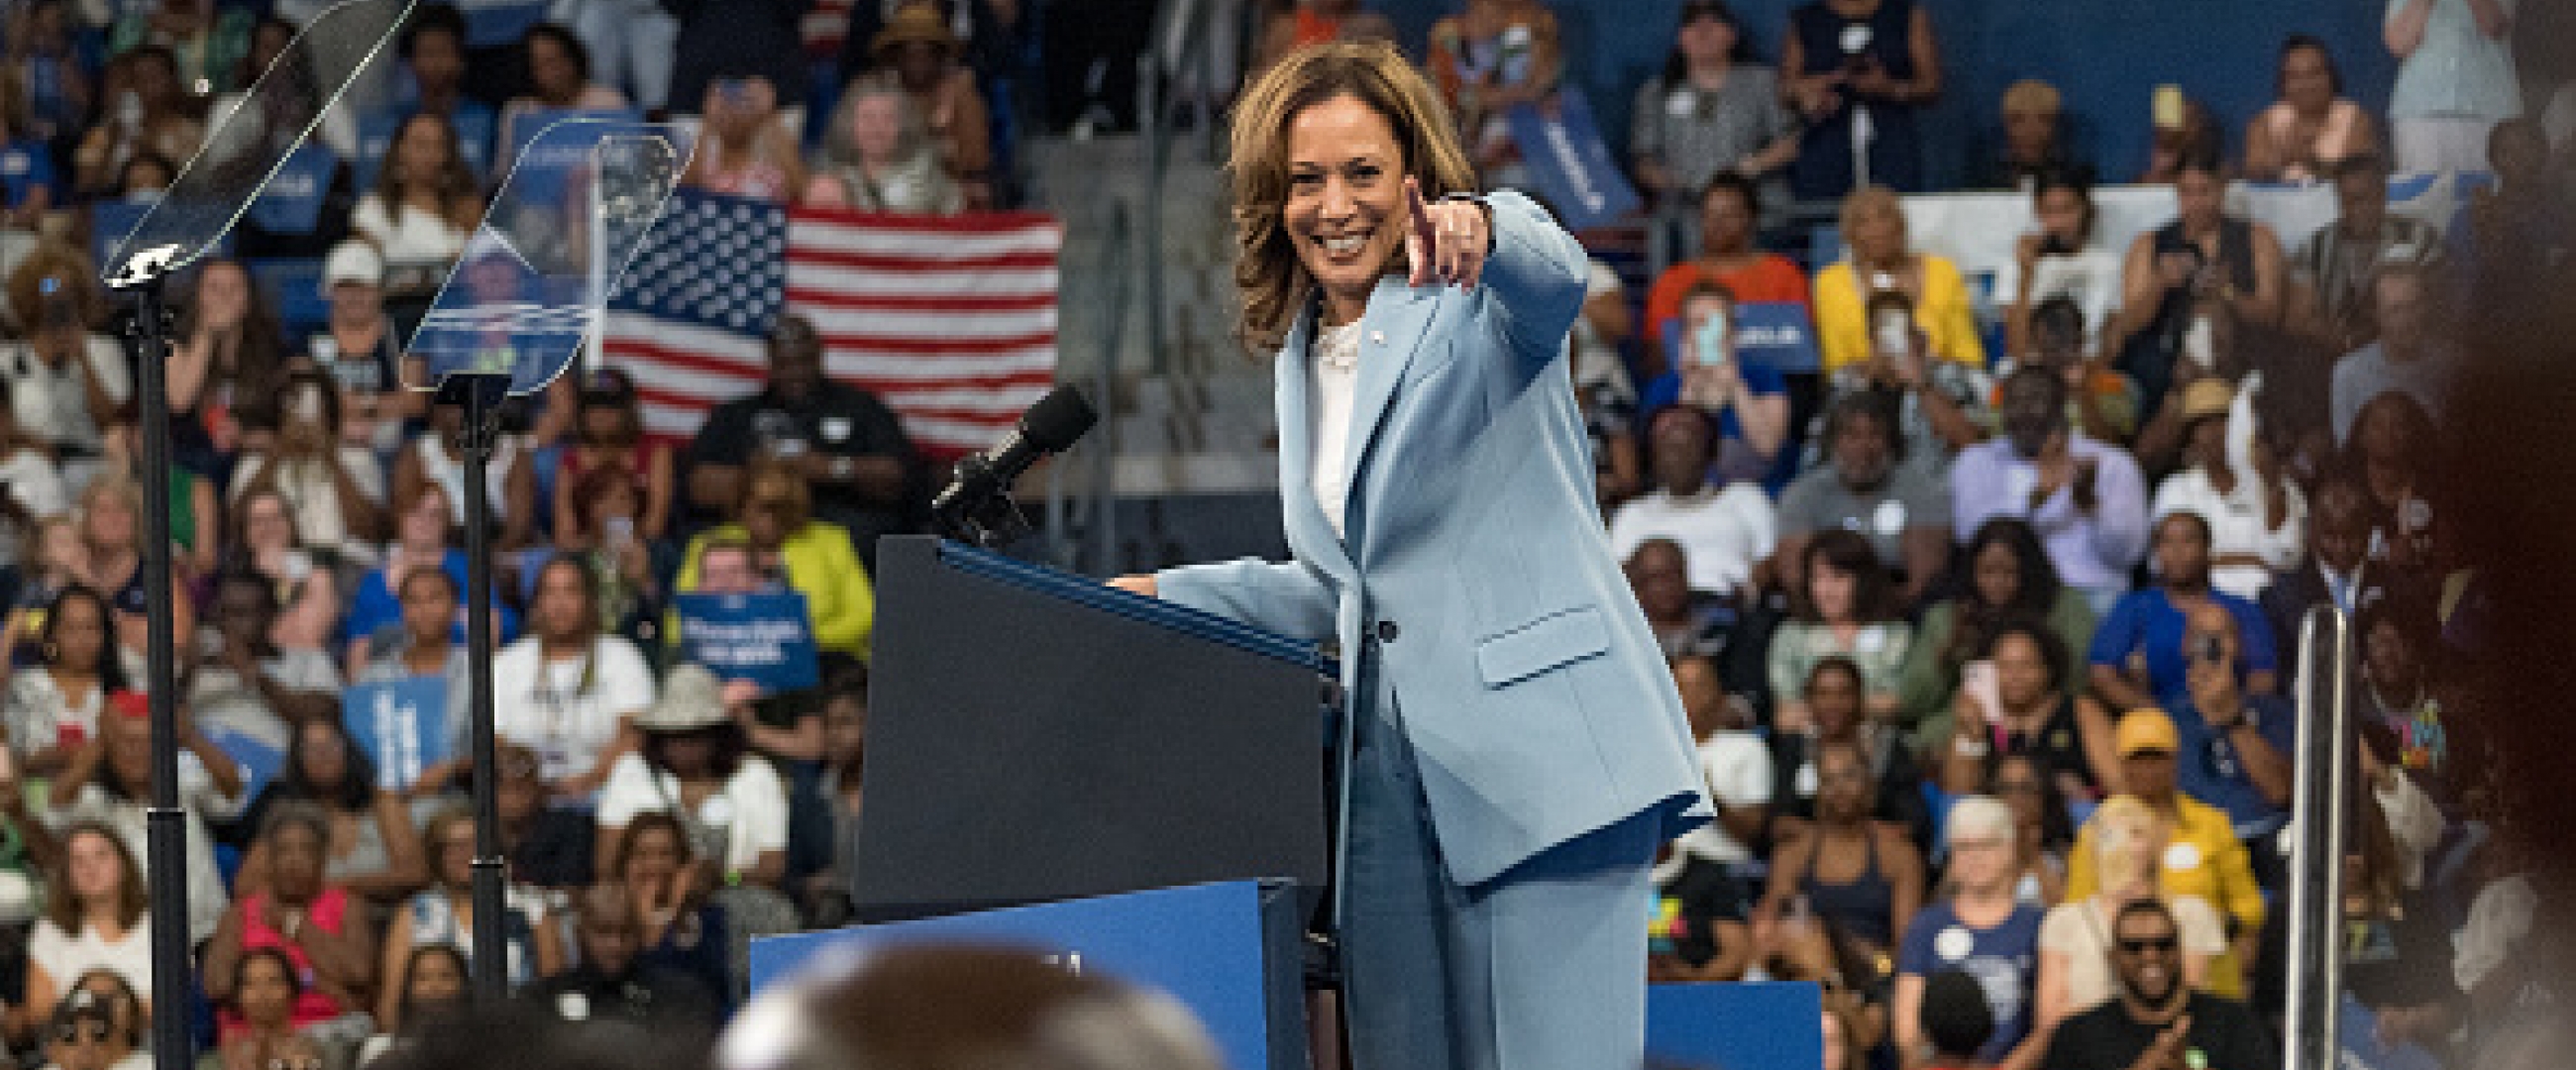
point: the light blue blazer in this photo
(1536, 699)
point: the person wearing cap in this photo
(696, 765)
(85, 1035)
(2330, 275)
(2410, 356)
(1980, 929)
(2127, 847)
(2084, 496)
(919, 53)
(2257, 516)
(2203, 856)
(360, 349)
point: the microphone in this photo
(976, 506)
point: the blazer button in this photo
(1386, 631)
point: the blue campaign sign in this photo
(401, 725)
(291, 203)
(1710, 1025)
(568, 154)
(1568, 162)
(259, 762)
(110, 222)
(1777, 335)
(765, 638)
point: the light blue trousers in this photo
(1541, 968)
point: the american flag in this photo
(950, 320)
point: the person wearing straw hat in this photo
(696, 765)
(918, 53)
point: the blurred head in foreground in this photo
(932, 1007)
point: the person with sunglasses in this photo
(2156, 1021)
(85, 1035)
(2203, 856)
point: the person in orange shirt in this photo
(1728, 209)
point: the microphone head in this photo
(1058, 419)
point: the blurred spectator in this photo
(2043, 833)
(436, 456)
(1863, 876)
(429, 990)
(1714, 110)
(1001, 1008)
(147, 109)
(40, 41)
(1940, 404)
(2203, 857)
(610, 434)
(54, 706)
(228, 370)
(207, 43)
(696, 765)
(569, 690)
(1737, 766)
(1832, 694)
(626, 567)
(84, 1033)
(1603, 390)
(374, 849)
(1976, 931)
(143, 178)
(2138, 654)
(243, 682)
(31, 489)
(815, 557)
(2065, 258)
(1730, 216)
(834, 797)
(743, 148)
(95, 919)
(847, 445)
(1955, 1022)
(27, 183)
(2332, 273)
(2455, 80)
(306, 581)
(1726, 529)
(2191, 132)
(264, 41)
(2034, 143)
(628, 45)
(2312, 126)
(335, 490)
(2028, 709)
(1857, 70)
(1490, 57)
(2002, 577)
(1749, 402)
(433, 52)
(1843, 1024)
(65, 379)
(2158, 1021)
(613, 981)
(2520, 229)
(546, 847)
(425, 204)
(2126, 842)
(559, 79)
(111, 514)
(359, 347)
(877, 157)
(1729, 633)
(2333, 572)
(2398, 962)
(2232, 479)
(1843, 606)
(2084, 497)
(268, 989)
(52, 563)
(2414, 720)
(670, 887)
(442, 915)
(2392, 448)
(2235, 751)
(322, 932)
(1294, 26)
(1863, 486)
(1883, 261)
(917, 53)
(423, 642)
(379, 625)
(2408, 356)
(2204, 255)
(196, 518)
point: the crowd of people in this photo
(1988, 630)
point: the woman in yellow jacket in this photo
(814, 557)
(1882, 258)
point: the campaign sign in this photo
(401, 725)
(291, 203)
(1568, 162)
(765, 638)
(257, 761)
(1776, 335)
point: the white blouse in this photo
(1335, 370)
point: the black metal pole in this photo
(166, 845)
(480, 397)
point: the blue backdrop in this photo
(2107, 56)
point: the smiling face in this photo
(267, 525)
(652, 855)
(876, 127)
(2148, 952)
(2307, 81)
(1345, 213)
(1831, 589)
(223, 294)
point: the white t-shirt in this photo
(410, 236)
(751, 810)
(1722, 533)
(2091, 276)
(314, 496)
(2082, 932)
(1738, 770)
(1335, 368)
(52, 404)
(568, 712)
(65, 957)
(2236, 527)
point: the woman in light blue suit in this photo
(1515, 749)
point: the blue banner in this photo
(765, 638)
(401, 725)
(1776, 335)
(525, 126)
(291, 203)
(1568, 162)
(109, 223)
(497, 23)
(259, 762)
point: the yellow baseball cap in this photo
(2147, 730)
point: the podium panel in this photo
(1035, 736)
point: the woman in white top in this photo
(509, 482)
(337, 490)
(696, 765)
(877, 157)
(2064, 257)
(308, 587)
(2258, 519)
(569, 690)
(425, 204)
(2075, 941)
(94, 918)
(53, 706)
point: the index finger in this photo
(1420, 209)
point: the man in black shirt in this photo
(847, 444)
(608, 985)
(2157, 1022)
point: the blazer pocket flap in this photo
(1540, 645)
